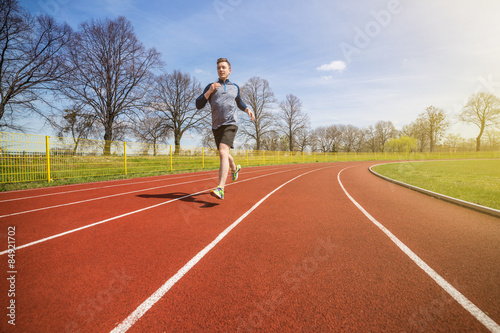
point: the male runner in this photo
(225, 100)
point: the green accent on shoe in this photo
(218, 193)
(235, 174)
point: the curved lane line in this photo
(458, 296)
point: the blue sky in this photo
(350, 62)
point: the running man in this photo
(225, 100)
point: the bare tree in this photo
(207, 137)
(353, 138)
(303, 139)
(76, 123)
(330, 138)
(453, 141)
(31, 59)
(482, 110)
(434, 125)
(151, 129)
(111, 72)
(271, 141)
(314, 141)
(324, 141)
(259, 96)
(384, 130)
(371, 141)
(336, 133)
(292, 119)
(360, 140)
(416, 130)
(174, 98)
(350, 138)
(492, 139)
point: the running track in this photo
(315, 247)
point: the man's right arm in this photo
(202, 100)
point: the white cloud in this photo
(337, 65)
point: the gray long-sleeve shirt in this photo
(225, 102)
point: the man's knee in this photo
(224, 150)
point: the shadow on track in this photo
(184, 197)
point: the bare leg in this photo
(226, 162)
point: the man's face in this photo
(223, 70)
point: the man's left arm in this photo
(242, 106)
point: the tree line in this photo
(101, 81)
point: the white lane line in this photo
(99, 198)
(98, 188)
(111, 196)
(158, 294)
(97, 223)
(202, 173)
(133, 212)
(458, 296)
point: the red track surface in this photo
(304, 259)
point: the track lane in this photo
(62, 219)
(68, 198)
(19, 195)
(32, 193)
(65, 277)
(462, 245)
(48, 198)
(257, 264)
(19, 201)
(312, 264)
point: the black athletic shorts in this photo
(225, 134)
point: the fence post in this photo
(125, 156)
(203, 157)
(47, 156)
(247, 157)
(278, 157)
(171, 162)
(264, 157)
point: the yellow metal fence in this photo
(26, 157)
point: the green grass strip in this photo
(476, 181)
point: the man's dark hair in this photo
(223, 60)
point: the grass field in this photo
(476, 181)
